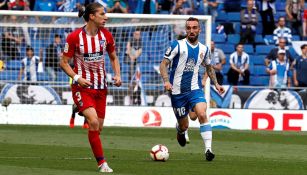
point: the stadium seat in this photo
(221, 17)
(259, 80)
(13, 65)
(226, 68)
(280, 6)
(264, 49)
(227, 48)
(43, 76)
(233, 39)
(257, 59)
(249, 49)
(234, 16)
(259, 39)
(260, 70)
(295, 38)
(218, 38)
(61, 76)
(237, 27)
(9, 75)
(259, 28)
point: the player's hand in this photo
(295, 82)
(220, 88)
(168, 86)
(84, 83)
(272, 72)
(117, 80)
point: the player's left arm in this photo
(116, 68)
(211, 72)
(114, 60)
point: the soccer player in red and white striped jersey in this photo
(88, 47)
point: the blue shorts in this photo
(183, 103)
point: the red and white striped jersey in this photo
(89, 54)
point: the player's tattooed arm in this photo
(164, 73)
(164, 70)
(211, 73)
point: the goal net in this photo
(45, 33)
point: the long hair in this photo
(89, 9)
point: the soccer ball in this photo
(159, 153)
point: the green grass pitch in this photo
(59, 150)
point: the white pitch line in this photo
(60, 158)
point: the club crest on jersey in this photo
(189, 66)
(102, 43)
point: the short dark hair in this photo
(303, 46)
(57, 36)
(29, 48)
(192, 19)
(89, 9)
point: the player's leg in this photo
(100, 100)
(182, 126)
(84, 99)
(73, 115)
(205, 129)
(199, 106)
(180, 107)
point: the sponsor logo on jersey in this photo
(168, 51)
(189, 67)
(93, 57)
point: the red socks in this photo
(94, 139)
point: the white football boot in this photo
(104, 168)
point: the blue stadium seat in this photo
(226, 68)
(257, 59)
(61, 76)
(147, 68)
(280, 6)
(221, 17)
(296, 38)
(259, 80)
(9, 75)
(260, 70)
(233, 39)
(259, 39)
(264, 49)
(249, 49)
(218, 38)
(227, 48)
(43, 76)
(237, 27)
(259, 28)
(234, 16)
(13, 65)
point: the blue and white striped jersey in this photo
(185, 63)
(30, 66)
(282, 73)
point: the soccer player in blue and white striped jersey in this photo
(184, 57)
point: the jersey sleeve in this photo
(110, 43)
(172, 51)
(70, 46)
(207, 57)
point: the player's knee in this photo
(184, 127)
(193, 116)
(202, 117)
(94, 124)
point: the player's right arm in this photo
(170, 53)
(64, 62)
(164, 73)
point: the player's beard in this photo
(192, 39)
